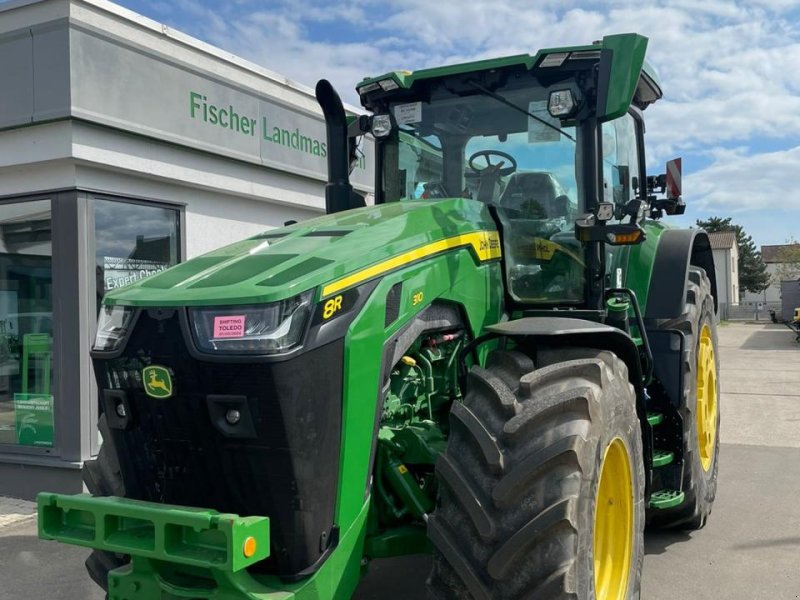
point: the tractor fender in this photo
(677, 250)
(566, 331)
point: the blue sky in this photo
(729, 70)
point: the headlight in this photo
(261, 329)
(112, 327)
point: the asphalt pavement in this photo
(750, 549)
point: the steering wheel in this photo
(496, 168)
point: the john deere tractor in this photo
(506, 361)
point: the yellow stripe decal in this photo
(486, 245)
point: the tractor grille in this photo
(284, 461)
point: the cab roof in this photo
(627, 56)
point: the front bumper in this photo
(176, 534)
(183, 552)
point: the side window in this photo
(420, 167)
(620, 160)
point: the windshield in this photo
(505, 150)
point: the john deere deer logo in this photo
(157, 382)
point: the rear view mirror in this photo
(673, 182)
(669, 185)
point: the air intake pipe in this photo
(338, 191)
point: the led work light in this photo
(561, 103)
(387, 85)
(381, 125)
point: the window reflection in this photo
(132, 241)
(26, 324)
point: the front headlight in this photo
(260, 329)
(112, 327)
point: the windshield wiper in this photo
(500, 98)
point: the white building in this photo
(774, 257)
(726, 258)
(125, 147)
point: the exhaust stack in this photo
(338, 191)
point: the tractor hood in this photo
(331, 252)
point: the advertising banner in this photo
(34, 419)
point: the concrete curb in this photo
(14, 511)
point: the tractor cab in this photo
(541, 141)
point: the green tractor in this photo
(507, 362)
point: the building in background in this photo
(726, 258)
(125, 147)
(776, 258)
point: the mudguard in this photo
(677, 250)
(577, 332)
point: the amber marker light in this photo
(624, 238)
(249, 546)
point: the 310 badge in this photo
(335, 306)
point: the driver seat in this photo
(533, 195)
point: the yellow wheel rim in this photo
(706, 409)
(613, 524)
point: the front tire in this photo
(699, 408)
(542, 483)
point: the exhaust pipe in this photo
(338, 191)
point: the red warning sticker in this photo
(229, 326)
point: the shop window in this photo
(26, 324)
(132, 242)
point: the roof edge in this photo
(177, 36)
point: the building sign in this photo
(33, 414)
(161, 97)
(281, 129)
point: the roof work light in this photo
(561, 103)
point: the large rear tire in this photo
(102, 477)
(542, 483)
(699, 408)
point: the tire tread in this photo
(512, 533)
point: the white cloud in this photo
(737, 182)
(728, 68)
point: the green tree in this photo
(753, 275)
(787, 265)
